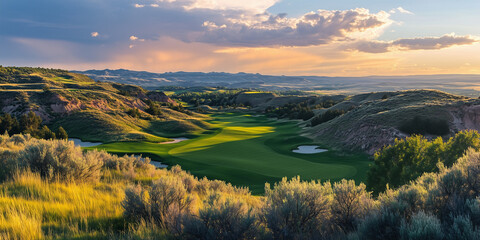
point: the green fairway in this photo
(249, 151)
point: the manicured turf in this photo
(249, 151)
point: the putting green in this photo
(249, 151)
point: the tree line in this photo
(29, 123)
(302, 110)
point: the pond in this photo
(309, 149)
(158, 164)
(81, 143)
(152, 162)
(175, 140)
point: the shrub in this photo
(134, 112)
(462, 229)
(350, 204)
(168, 200)
(422, 226)
(59, 160)
(221, 219)
(382, 225)
(135, 204)
(165, 205)
(296, 209)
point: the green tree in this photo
(44, 133)
(8, 124)
(409, 158)
(61, 133)
(30, 122)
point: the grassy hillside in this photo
(248, 151)
(372, 120)
(92, 110)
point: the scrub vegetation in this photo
(127, 198)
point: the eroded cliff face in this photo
(465, 117)
(57, 104)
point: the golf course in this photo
(248, 150)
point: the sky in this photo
(278, 37)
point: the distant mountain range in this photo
(468, 85)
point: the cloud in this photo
(400, 10)
(154, 5)
(314, 28)
(94, 34)
(139, 5)
(135, 38)
(255, 6)
(406, 44)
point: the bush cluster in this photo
(61, 160)
(292, 209)
(409, 158)
(442, 205)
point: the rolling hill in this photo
(93, 111)
(375, 118)
(467, 85)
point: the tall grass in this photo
(58, 209)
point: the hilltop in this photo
(94, 111)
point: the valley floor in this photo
(248, 151)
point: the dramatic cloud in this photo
(314, 28)
(222, 35)
(427, 43)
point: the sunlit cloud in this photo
(135, 38)
(94, 34)
(400, 10)
(314, 28)
(139, 5)
(425, 43)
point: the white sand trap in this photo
(81, 143)
(175, 140)
(308, 149)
